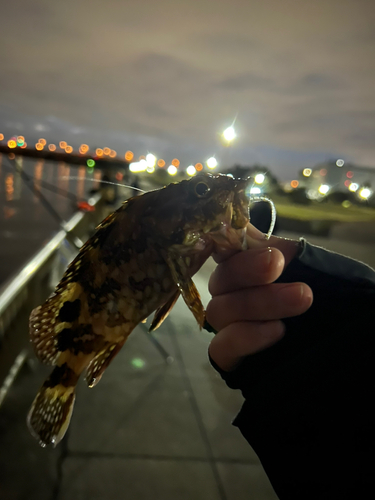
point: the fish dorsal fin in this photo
(186, 286)
(163, 311)
(107, 221)
(100, 362)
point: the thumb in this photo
(256, 239)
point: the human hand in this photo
(246, 306)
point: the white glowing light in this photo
(191, 170)
(255, 190)
(340, 163)
(365, 193)
(211, 162)
(138, 166)
(324, 188)
(312, 194)
(307, 172)
(151, 160)
(259, 178)
(229, 134)
(150, 169)
(353, 187)
(172, 170)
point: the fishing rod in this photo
(77, 242)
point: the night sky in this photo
(296, 77)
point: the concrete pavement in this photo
(149, 429)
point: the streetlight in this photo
(191, 170)
(229, 134)
(259, 178)
(138, 166)
(172, 170)
(365, 193)
(323, 189)
(211, 162)
(353, 187)
(151, 160)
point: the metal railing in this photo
(33, 284)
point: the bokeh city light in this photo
(172, 170)
(211, 162)
(191, 170)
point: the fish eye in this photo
(201, 189)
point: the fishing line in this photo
(50, 187)
(77, 242)
(76, 178)
(256, 199)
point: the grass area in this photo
(323, 211)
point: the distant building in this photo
(339, 176)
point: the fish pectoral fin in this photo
(163, 311)
(186, 286)
(100, 362)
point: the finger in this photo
(237, 340)
(263, 303)
(256, 239)
(289, 248)
(246, 269)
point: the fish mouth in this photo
(228, 229)
(226, 236)
(231, 231)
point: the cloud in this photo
(299, 76)
(244, 82)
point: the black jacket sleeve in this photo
(309, 400)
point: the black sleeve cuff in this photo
(337, 282)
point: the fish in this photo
(139, 261)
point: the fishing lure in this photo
(140, 260)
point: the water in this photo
(25, 223)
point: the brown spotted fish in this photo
(140, 260)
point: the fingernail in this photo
(277, 330)
(298, 293)
(264, 256)
(295, 292)
(307, 293)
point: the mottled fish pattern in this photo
(140, 259)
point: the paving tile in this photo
(217, 403)
(27, 471)
(244, 481)
(146, 411)
(218, 406)
(136, 479)
(139, 348)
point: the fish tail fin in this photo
(50, 413)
